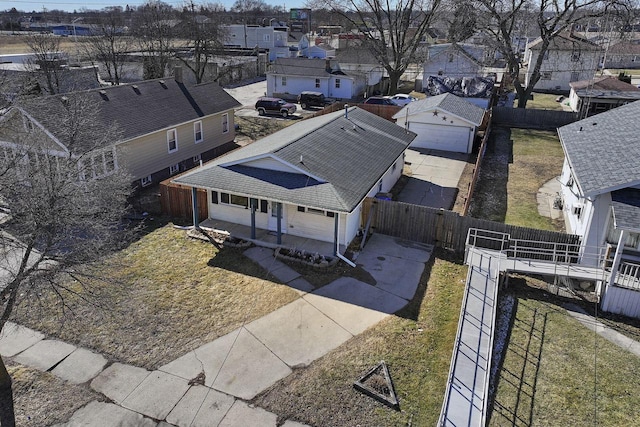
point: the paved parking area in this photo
(434, 177)
(247, 95)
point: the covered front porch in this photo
(269, 239)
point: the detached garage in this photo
(444, 122)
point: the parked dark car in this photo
(279, 106)
(380, 100)
(308, 99)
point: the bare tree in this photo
(109, 46)
(154, 31)
(48, 60)
(201, 37)
(393, 30)
(503, 19)
(64, 203)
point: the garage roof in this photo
(447, 102)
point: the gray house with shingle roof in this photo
(166, 126)
(443, 122)
(308, 179)
(601, 189)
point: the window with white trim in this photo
(196, 158)
(172, 140)
(234, 200)
(173, 169)
(575, 76)
(266, 37)
(545, 75)
(317, 83)
(283, 80)
(337, 83)
(146, 181)
(315, 211)
(225, 123)
(197, 132)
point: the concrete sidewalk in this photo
(207, 386)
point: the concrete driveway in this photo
(247, 95)
(434, 177)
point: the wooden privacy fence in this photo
(531, 118)
(384, 111)
(175, 201)
(442, 228)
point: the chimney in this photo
(177, 73)
(346, 111)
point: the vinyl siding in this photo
(149, 153)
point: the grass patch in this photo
(548, 376)
(42, 399)
(544, 101)
(416, 344)
(537, 158)
(255, 128)
(166, 295)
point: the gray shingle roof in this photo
(143, 107)
(445, 102)
(604, 150)
(311, 67)
(348, 156)
(566, 41)
(626, 209)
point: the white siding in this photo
(452, 134)
(621, 301)
(295, 85)
(562, 69)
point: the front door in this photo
(273, 217)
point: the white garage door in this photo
(439, 137)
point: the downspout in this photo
(336, 249)
(279, 214)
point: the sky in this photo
(71, 5)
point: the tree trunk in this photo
(394, 80)
(7, 416)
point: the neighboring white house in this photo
(275, 39)
(321, 51)
(454, 60)
(309, 179)
(360, 60)
(443, 122)
(624, 54)
(589, 97)
(601, 199)
(568, 58)
(290, 76)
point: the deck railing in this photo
(560, 254)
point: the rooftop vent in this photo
(103, 94)
(136, 89)
(163, 83)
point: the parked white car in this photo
(402, 99)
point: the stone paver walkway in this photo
(241, 364)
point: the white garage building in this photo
(443, 122)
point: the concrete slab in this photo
(237, 364)
(354, 305)
(546, 196)
(301, 285)
(118, 381)
(395, 275)
(258, 254)
(16, 338)
(157, 395)
(45, 354)
(380, 244)
(200, 407)
(80, 366)
(249, 368)
(298, 333)
(283, 272)
(105, 414)
(243, 415)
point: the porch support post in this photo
(194, 206)
(279, 217)
(336, 227)
(253, 203)
(616, 258)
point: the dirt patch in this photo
(464, 185)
